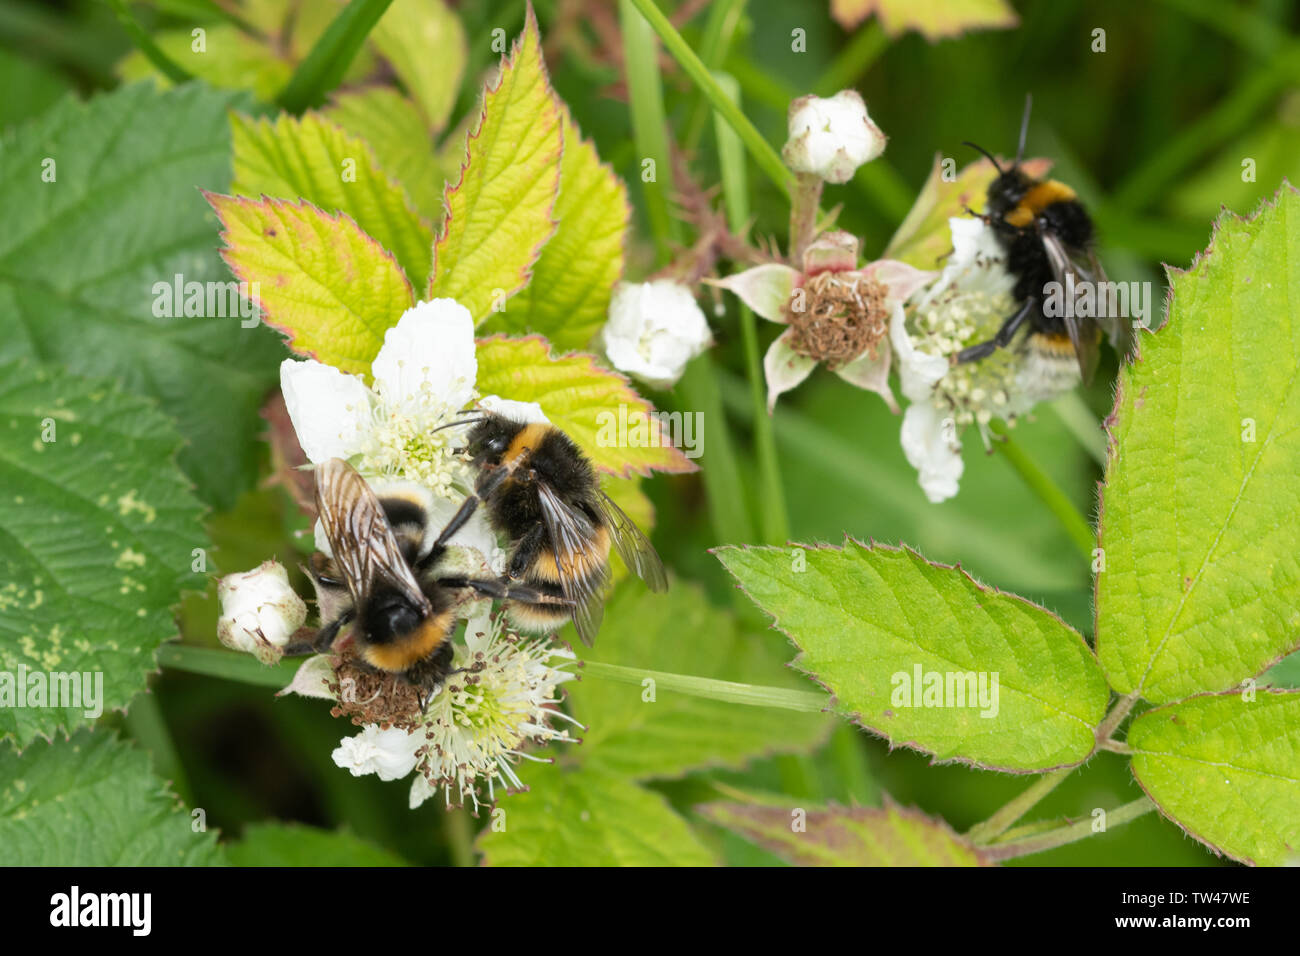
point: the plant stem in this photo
(773, 516)
(997, 824)
(227, 665)
(854, 60)
(232, 665)
(649, 125)
(1071, 833)
(153, 53)
(728, 515)
(766, 157)
(1106, 729)
(460, 837)
(329, 59)
(724, 18)
(1075, 525)
(753, 695)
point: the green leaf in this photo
(1227, 770)
(97, 526)
(393, 128)
(934, 19)
(869, 618)
(313, 158)
(1202, 581)
(573, 280)
(81, 259)
(846, 836)
(924, 239)
(322, 281)
(499, 213)
(93, 800)
(229, 59)
(588, 818)
(595, 407)
(425, 43)
(290, 844)
(674, 733)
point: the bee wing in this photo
(363, 544)
(633, 547)
(1083, 333)
(571, 534)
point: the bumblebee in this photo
(383, 579)
(542, 493)
(1047, 236)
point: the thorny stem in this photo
(803, 214)
(1072, 833)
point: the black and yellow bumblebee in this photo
(1047, 236)
(383, 578)
(543, 493)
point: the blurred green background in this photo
(1152, 132)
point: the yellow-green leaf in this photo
(594, 406)
(321, 280)
(573, 280)
(225, 56)
(394, 129)
(846, 836)
(499, 213)
(934, 19)
(1201, 587)
(315, 159)
(425, 43)
(1226, 768)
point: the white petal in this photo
(930, 443)
(766, 289)
(330, 411)
(259, 611)
(654, 329)
(871, 372)
(527, 412)
(388, 753)
(784, 368)
(427, 362)
(311, 678)
(421, 790)
(918, 372)
(902, 280)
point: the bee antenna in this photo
(986, 153)
(463, 421)
(1024, 127)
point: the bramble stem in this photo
(1075, 525)
(1010, 849)
(1001, 821)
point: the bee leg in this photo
(526, 551)
(1009, 328)
(504, 591)
(321, 641)
(458, 521)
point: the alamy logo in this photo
(923, 688)
(1098, 300)
(219, 300)
(103, 909)
(75, 690)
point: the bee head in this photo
(490, 438)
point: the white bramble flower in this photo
(966, 305)
(478, 725)
(654, 329)
(835, 312)
(423, 375)
(259, 611)
(389, 753)
(831, 138)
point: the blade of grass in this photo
(773, 516)
(144, 43)
(324, 66)
(767, 158)
(715, 44)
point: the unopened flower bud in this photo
(831, 138)
(259, 611)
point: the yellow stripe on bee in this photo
(398, 655)
(576, 566)
(528, 439)
(1038, 198)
